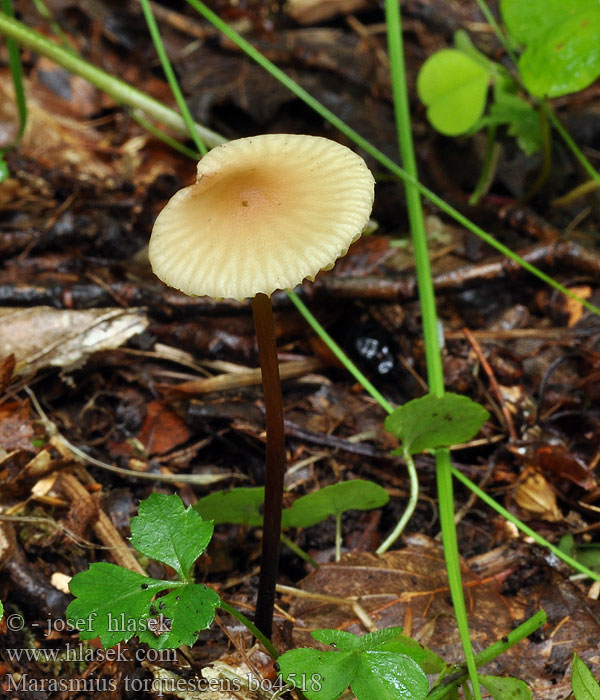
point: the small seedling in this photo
(335, 500)
(583, 683)
(429, 423)
(377, 666)
(560, 55)
(115, 604)
(242, 506)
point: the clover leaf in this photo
(371, 673)
(115, 604)
(453, 85)
(562, 51)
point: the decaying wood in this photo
(228, 381)
(102, 526)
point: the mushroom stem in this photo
(262, 311)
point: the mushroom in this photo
(265, 213)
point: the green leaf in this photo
(382, 675)
(357, 494)
(112, 603)
(4, 169)
(431, 422)
(240, 506)
(184, 613)
(522, 119)
(115, 604)
(344, 641)
(583, 683)
(334, 669)
(453, 86)
(566, 544)
(167, 531)
(586, 554)
(506, 688)
(1, 610)
(371, 673)
(562, 53)
(427, 659)
(389, 639)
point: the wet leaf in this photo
(357, 494)
(535, 495)
(167, 531)
(431, 422)
(562, 52)
(45, 337)
(372, 674)
(506, 688)
(240, 506)
(585, 686)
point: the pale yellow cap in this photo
(265, 213)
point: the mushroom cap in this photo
(265, 213)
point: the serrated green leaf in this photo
(167, 531)
(562, 53)
(341, 640)
(522, 119)
(453, 86)
(311, 509)
(111, 602)
(431, 422)
(240, 506)
(506, 688)
(335, 669)
(1, 610)
(183, 613)
(583, 683)
(383, 675)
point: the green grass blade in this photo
(339, 353)
(16, 71)
(526, 628)
(122, 92)
(574, 148)
(171, 78)
(433, 354)
(525, 529)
